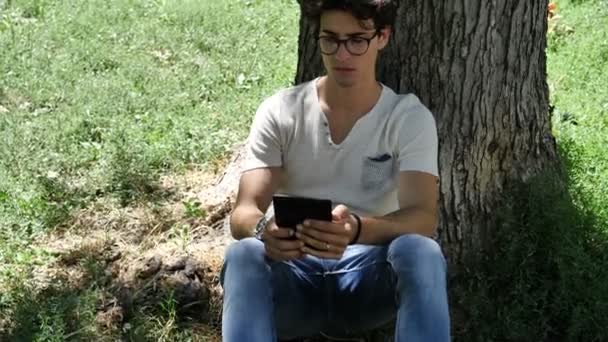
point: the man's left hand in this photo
(328, 240)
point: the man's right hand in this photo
(279, 243)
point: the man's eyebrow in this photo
(354, 34)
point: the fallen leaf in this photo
(552, 9)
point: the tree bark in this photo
(480, 67)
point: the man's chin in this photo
(345, 82)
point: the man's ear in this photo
(383, 37)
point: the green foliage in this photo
(53, 314)
(100, 99)
(529, 286)
(110, 95)
(193, 209)
(132, 176)
(580, 98)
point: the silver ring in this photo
(327, 247)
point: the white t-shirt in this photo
(291, 130)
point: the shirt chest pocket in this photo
(377, 172)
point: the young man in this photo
(347, 138)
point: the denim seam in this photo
(349, 270)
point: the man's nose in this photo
(342, 54)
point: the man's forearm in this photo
(243, 221)
(381, 230)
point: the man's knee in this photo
(418, 256)
(245, 250)
(245, 254)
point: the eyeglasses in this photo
(356, 46)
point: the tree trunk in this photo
(480, 67)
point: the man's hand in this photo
(278, 245)
(328, 239)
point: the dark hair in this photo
(382, 12)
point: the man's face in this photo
(346, 68)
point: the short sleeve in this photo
(263, 147)
(418, 142)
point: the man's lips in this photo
(344, 69)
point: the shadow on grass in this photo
(166, 305)
(58, 312)
(545, 276)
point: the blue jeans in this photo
(370, 286)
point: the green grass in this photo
(104, 96)
(101, 98)
(545, 277)
(578, 74)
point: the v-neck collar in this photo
(324, 122)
